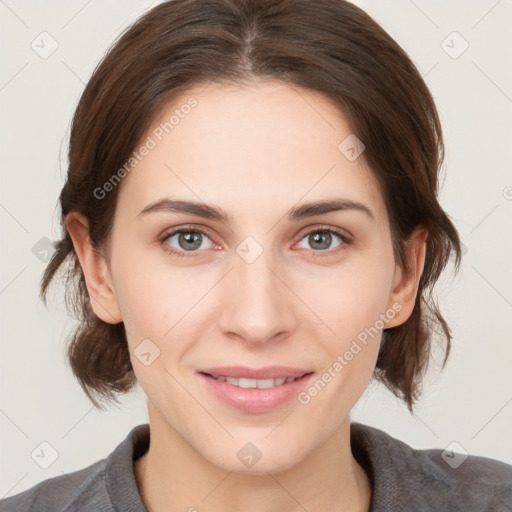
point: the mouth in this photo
(255, 390)
(246, 383)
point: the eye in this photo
(186, 240)
(321, 239)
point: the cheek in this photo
(352, 306)
(351, 299)
(162, 304)
(146, 288)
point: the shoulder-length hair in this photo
(329, 46)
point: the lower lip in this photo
(255, 399)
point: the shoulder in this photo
(105, 486)
(60, 493)
(434, 478)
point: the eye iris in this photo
(190, 238)
(318, 236)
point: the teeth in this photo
(255, 383)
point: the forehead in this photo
(247, 148)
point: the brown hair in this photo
(330, 46)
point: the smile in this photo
(255, 390)
(255, 383)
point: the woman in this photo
(252, 219)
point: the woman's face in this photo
(272, 285)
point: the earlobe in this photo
(406, 281)
(96, 272)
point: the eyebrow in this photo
(213, 212)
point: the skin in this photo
(288, 307)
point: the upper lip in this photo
(268, 372)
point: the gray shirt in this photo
(402, 479)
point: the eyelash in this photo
(345, 239)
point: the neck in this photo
(172, 476)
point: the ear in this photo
(406, 281)
(95, 269)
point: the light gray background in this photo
(470, 402)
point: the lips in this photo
(255, 390)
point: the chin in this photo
(249, 459)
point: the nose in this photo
(257, 307)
